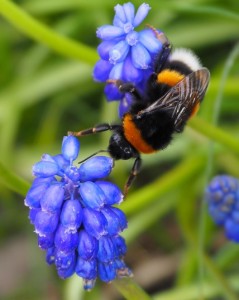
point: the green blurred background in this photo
(46, 89)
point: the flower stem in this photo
(130, 290)
(42, 33)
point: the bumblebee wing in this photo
(182, 100)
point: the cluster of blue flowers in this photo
(222, 195)
(124, 53)
(72, 211)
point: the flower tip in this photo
(88, 284)
(70, 147)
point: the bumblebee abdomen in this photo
(149, 134)
(133, 134)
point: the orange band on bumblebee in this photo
(134, 137)
(169, 77)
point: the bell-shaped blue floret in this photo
(94, 222)
(45, 169)
(47, 241)
(92, 195)
(70, 147)
(106, 252)
(45, 223)
(86, 268)
(71, 215)
(120, 245)
(112, 193)
(66, 241)
(88, 245)
(95, 168)
(107, 271)
(53, 198)
(64, 260)
(35, 194)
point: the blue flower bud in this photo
(125, 104)
(131, 73)
(64, 260)
(66, 241)
(66, 272)
(53, 198)
(118, 52)
(112, 193)
(112, 92)
(148, 39)
(120, 13)
(70, 147)
(116, 71)
(95, 168)
(120, 245)
(35, 194)
(92, 195)
(50, 255)
(121, 217)
(129, 12)
(94, 222)
(86, 268)
(108, 32)
(103, 50)
(71, 215)
(45, 169)
(116, 220)
(45, 242)
(45, 223)
(232, 230)
(140, 57)
(32, 214)
(106, 271)
(88, 245)
(102, 70)
(106, 252)
(141, 14)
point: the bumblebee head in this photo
(120, 148)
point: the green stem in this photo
(42, 33)
(214, 133)
(130, 290)
(12, 181)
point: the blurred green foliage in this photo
(47, 52)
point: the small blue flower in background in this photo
(124, 53)
(72, 211)
(222, 196)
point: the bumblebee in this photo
(172, 96)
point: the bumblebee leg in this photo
(134, 172)
(126, 87)
(96, 129)
(166, 49)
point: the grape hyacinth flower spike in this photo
(72, 210)
(222, 196)
(126, 54)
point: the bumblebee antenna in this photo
(100, 151)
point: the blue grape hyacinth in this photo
(125, 53)
(72, 210)
(222, 196)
